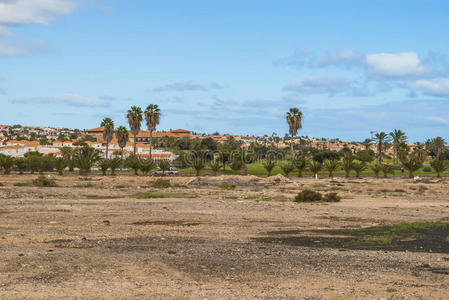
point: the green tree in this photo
(439, 166)
(412, 165)
(315, 167)
(164, 165)
(294, 119)
(104, 165)
(215, 165)
(114, 163)
(347, 164)
(382, 140)
(358, 167)
(287, 168)
(108, 133)
(85, 157)
(135, 118)
(132, 162)
(398, 137)
(21, 164)
(146, 165)
(122, 138)
(300, 164)
(6, 162)
(60, 165)
(152, 116)
(377, 168)
(269, 165)
(331, 165)
(387, 169)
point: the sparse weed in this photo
(43, 181)
(160, 183)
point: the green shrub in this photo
(427, 169)
(308, 195)
(227, 186)
(331, 197)
(20, 184)
(43, 181)
(161, 183)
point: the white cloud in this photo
(5, 31)
(435, 87)
(181, 86)
(319, 85)
(10, 50)
(394, 65)
(345, 58)
(68, 99)
(33, 11)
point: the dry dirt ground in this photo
(92, 238)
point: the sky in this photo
(234, 66)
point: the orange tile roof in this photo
(180, 131)
(98, 129)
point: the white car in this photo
(169, 171)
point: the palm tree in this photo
(134, 120)
(294, 120)
(419, 152)
(347, 164)
(387, 169)
(436, 146)
(164, 165)
(300, 164)
(287, 168)
(398, 137)
(376, 169)
(358, 167)
(412, 165)
(85, 158)
(215, 165)
(382, 140)
(331, 165)
(269, 165)
(315, 167)
(122, 138)
(439, 166)
(108, 132)
(152, 115)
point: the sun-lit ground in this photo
(119, 237)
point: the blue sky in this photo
(230, 66)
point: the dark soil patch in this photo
(415, 237)
(167, 223)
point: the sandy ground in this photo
(90, 238)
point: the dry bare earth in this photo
(92, 239)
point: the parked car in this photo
(170, 171)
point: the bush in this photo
(308, 196)
(161, 183)
(227, 186)
(43, 181)
(427, 169)
(331, 197)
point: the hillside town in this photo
(16, 140)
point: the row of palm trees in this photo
(135, 117)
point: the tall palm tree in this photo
(108, 132)
(294, 119)
(436, 146)
(134, 117)
(382, 140)
(122, 138)
(152, 116)
(398, 137)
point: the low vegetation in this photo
(309, 195)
